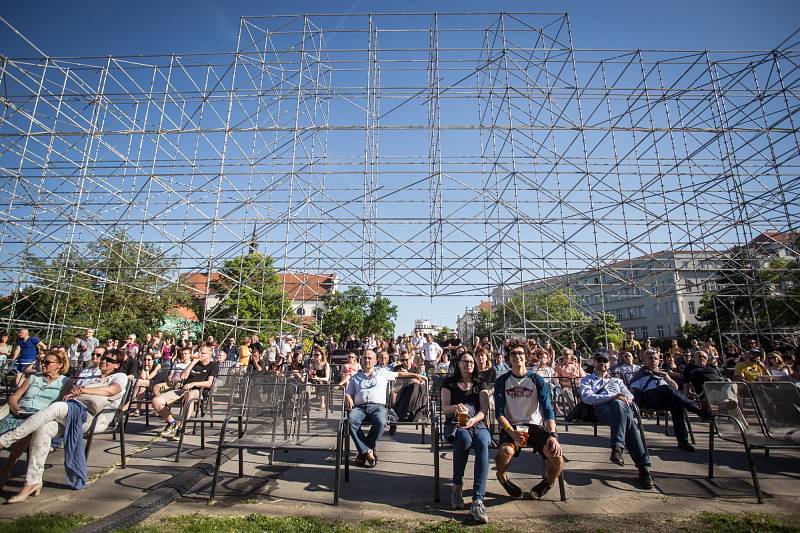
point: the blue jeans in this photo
(373, 413)
(624, 430)
(461, 446)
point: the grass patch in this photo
(747, 522)
(252, 523)
(44, 523)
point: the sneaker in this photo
(686, 446)
(457, 497)
(645, 479)
(370, 460)
(478, 512)
(134, 413)
(170, 430)
(616, 456)
(511, 488)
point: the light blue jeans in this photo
(463, 442)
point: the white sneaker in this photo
(457, 497)
(478, 512)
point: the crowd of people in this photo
(518, 386)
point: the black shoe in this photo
(645, 479)
(540, 490)
(511, 488)
(361, 459)
(616, 456)
(685, 446)
(392, 429)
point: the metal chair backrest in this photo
(264, 402)
(778, 404)
(732, 405)
(124, 404)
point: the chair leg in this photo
(338, 474)
(711, 450)
(241, 462)
(346, 451)
(561, 488)
(202, 436)
(691, 432)
(666, 425)
(754, 473)
(180, 444)
(435, 443)
(216, 474)
(122, 457)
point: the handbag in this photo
(95, 403)
(582, 412)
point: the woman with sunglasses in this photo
(465, 403)
(34, 394)
(48, 422)
(349, 368)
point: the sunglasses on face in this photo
(110, 360)
(51, 362)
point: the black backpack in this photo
(410, 404)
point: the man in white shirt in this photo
(365, 397)
(430, 353)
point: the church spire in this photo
(253, 241)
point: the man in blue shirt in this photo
(25, 351)
(526, 417)
(499, 365)
(612, 405)
(654, 389)
(365, 397)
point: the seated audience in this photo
(655, 389)
(612, 400)
(465, 403)
(526, 418)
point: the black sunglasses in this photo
(110, 360)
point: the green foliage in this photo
(44, 523)
(762, 299)
(380, 318)
(252, 298)
(602, 330)
(353, 312)
(443, 335)
(116, 284)
(688, 331)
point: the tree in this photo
(380, 318)
(443, 336)
(116, 285)
(540, 313)
(345, 312)
(353, 312)
(603, 329)
(252, 298)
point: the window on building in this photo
(660, 330)
(692, 308)
(301, 311)
(631, 312)
(657, 307)
(641, 311)
(674, 307)
(645, 333)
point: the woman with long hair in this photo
(147, 373)
(319, 372)
(465, 403)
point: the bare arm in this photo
(13, 400)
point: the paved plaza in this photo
(401, 486)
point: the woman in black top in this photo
(463, 392)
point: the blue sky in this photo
(124, 28)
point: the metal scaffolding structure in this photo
(411, 154)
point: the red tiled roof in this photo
(773, 236)
(298, 286)
(183, 312)
(306, 287)
(197, 282)
(485, 305)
